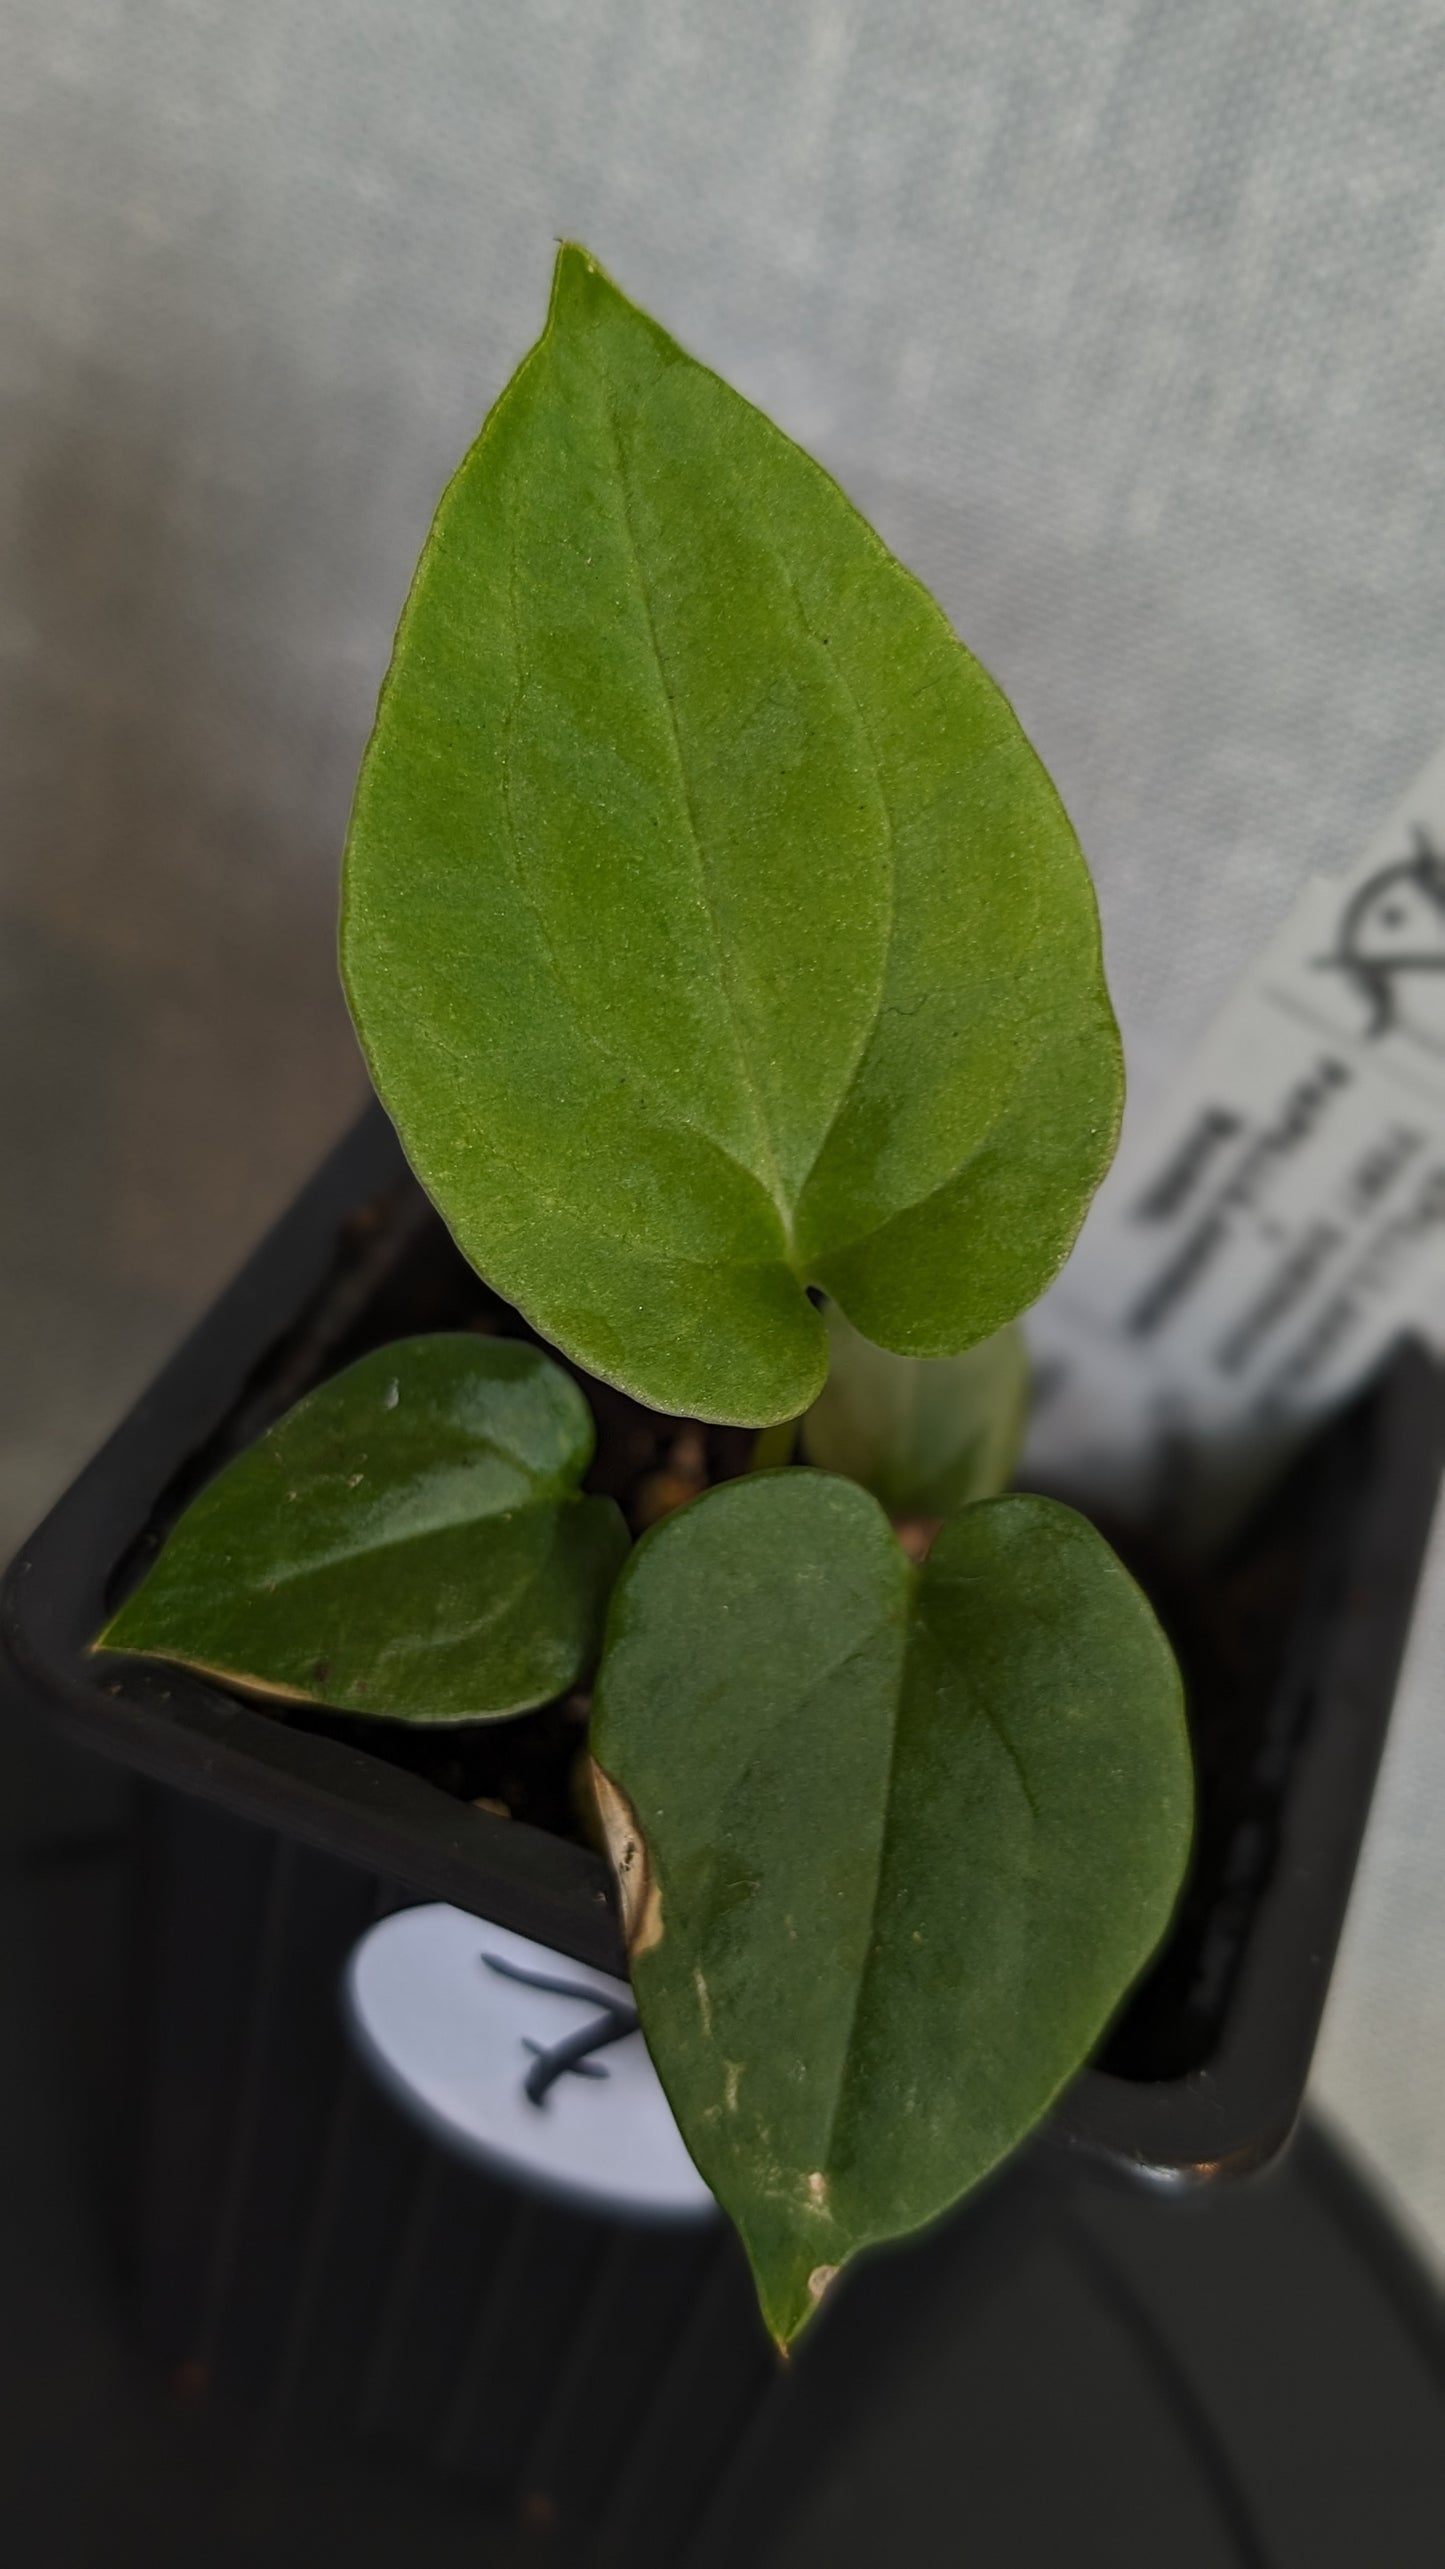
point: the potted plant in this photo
(730, 972)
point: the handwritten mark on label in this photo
(488, 2039)
(617, 2020)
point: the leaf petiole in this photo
(774, 1446)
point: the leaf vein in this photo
(374, 1551)
(664, 1108)
(867, 1032)
(773, 1178)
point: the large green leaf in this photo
(408, 1541)
(893, 1843)
(710, 926)
(926, 1434)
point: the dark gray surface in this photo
(1068, 2373)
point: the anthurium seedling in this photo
(732, 974)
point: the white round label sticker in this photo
(522, 2058)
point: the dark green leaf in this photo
(894, 1843)
(408, 1541)
(710, 926)
(926, 1434)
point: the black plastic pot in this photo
(302, 2245)
(1291, 1648)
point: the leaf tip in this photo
(578, 282)
(112, 1635)
(787, 2325)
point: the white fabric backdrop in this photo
(1123, 319)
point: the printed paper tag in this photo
(521, 2058)
(1279, 1220)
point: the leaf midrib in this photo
(885, 1811)
(870, 1029)
(771, 1175)
(976, 1703)
(459, 1524)
(670, 1116)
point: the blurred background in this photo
(1125, 322)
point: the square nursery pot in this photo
(314, 2229)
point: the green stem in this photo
(774, 1446)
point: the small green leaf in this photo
(408, 1541)
(894, 1842)
(709, 924)
(926, 1434)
